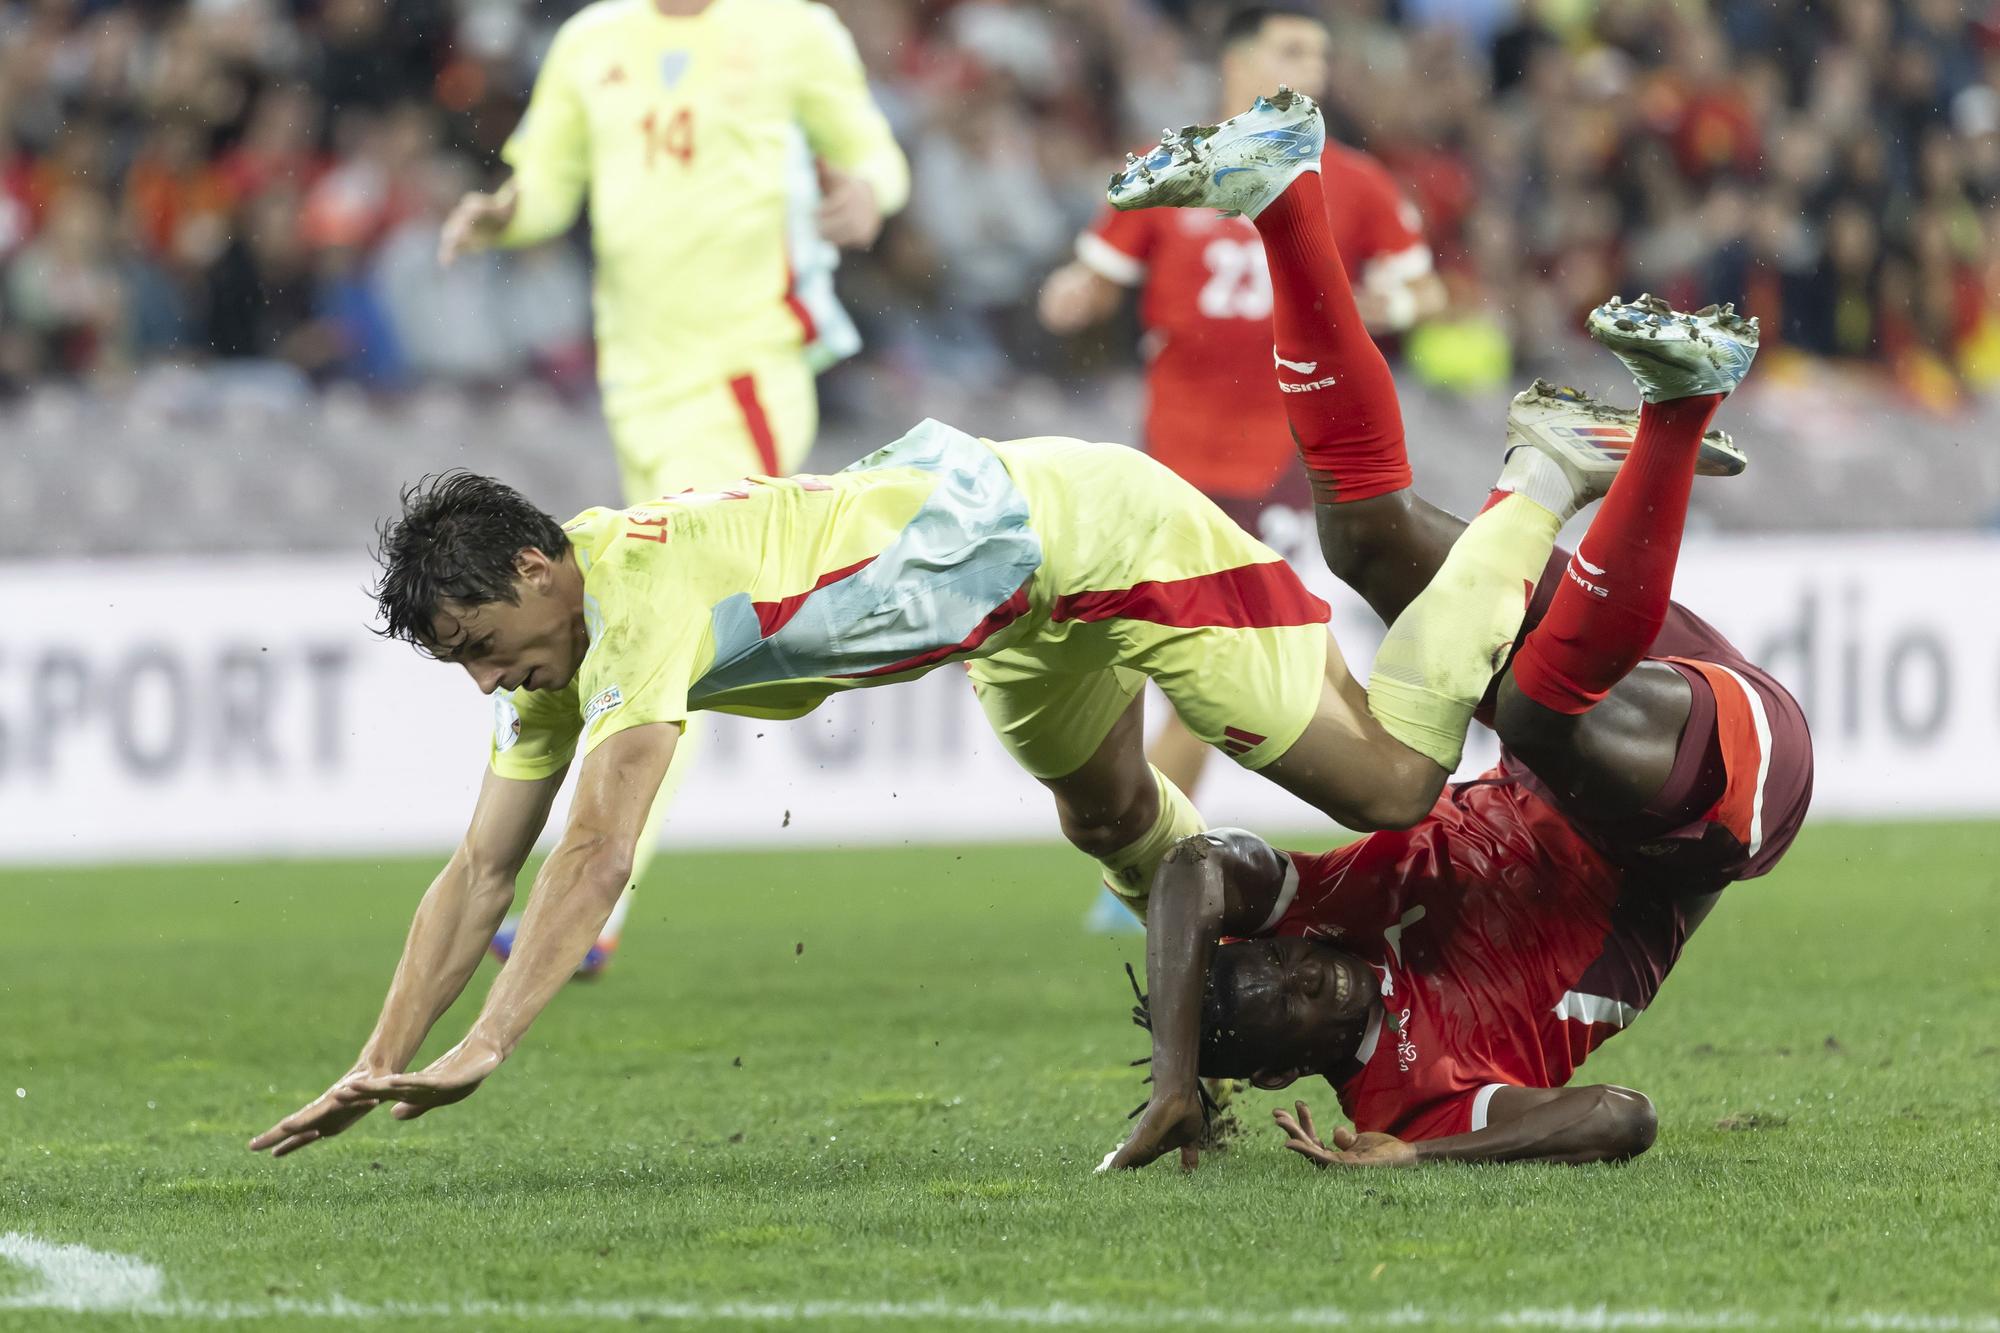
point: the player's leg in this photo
(1441, 653)
(1376, 534)
(1082, 735)
(1605, 736)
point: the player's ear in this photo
(534, 567)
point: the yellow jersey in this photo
(1035, 562)
(766, 598)
(680, 130)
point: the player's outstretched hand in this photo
(1349, 1148)
(476, 223)
(452, 1077)
(322, 1118)
(848, 214)
(1168, 1123)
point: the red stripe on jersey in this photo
(1263, 596)
(807, 328)
(772, 616)
(1742, 755)
(754, 420)
(999, 618)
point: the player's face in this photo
(1305, 1002)
(535, 642)
(1291, 50)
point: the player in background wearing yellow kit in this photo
(681, 121)
(1062, 574)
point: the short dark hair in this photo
(1247, 23)
(456, 540)
(1243, 1020)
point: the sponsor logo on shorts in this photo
(1302, 367)
(506, 724)
(601, 703)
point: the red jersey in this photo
(1508, 948)
(1214, 413)
(1512, 939)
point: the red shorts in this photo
(1742, 777)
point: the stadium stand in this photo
(217, 222)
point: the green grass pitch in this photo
(865, 1090)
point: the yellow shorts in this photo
(758, 423)
(1143, 576)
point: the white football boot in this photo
(1589, 440)
(1673, 354)
(1239, 166)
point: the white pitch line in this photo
(77, 1279)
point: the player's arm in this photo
(1110, 258)
(550, 154)
(1075, 297)
(1599, 1123)
(864, 176)
(573, 896)
(453, 926)
(1224, 882)
(1399, 291)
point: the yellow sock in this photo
(1129, 871)
(1442, 652)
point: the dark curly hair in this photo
(456, 540)
(1243, 1022)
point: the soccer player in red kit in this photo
(1449, 979)
(1214, 414)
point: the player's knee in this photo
(1356, 538)
(1630, 1122)
(1104, 827)
(1406, 786)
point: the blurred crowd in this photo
(253, 187)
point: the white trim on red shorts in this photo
(1762, 723)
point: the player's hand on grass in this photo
(848, 214)
(1349, 1148)
(322, 1118)
(452, 1077)
(1169, 1122)
(476, 223)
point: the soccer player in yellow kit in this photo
(678, 119)
(1062, 574)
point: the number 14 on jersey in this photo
(669, 136)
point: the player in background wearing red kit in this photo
(1213, 414)
(1449, 979)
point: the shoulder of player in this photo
(785, 19)
(598, 17)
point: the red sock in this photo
(1339, 395)
(1614, 594)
